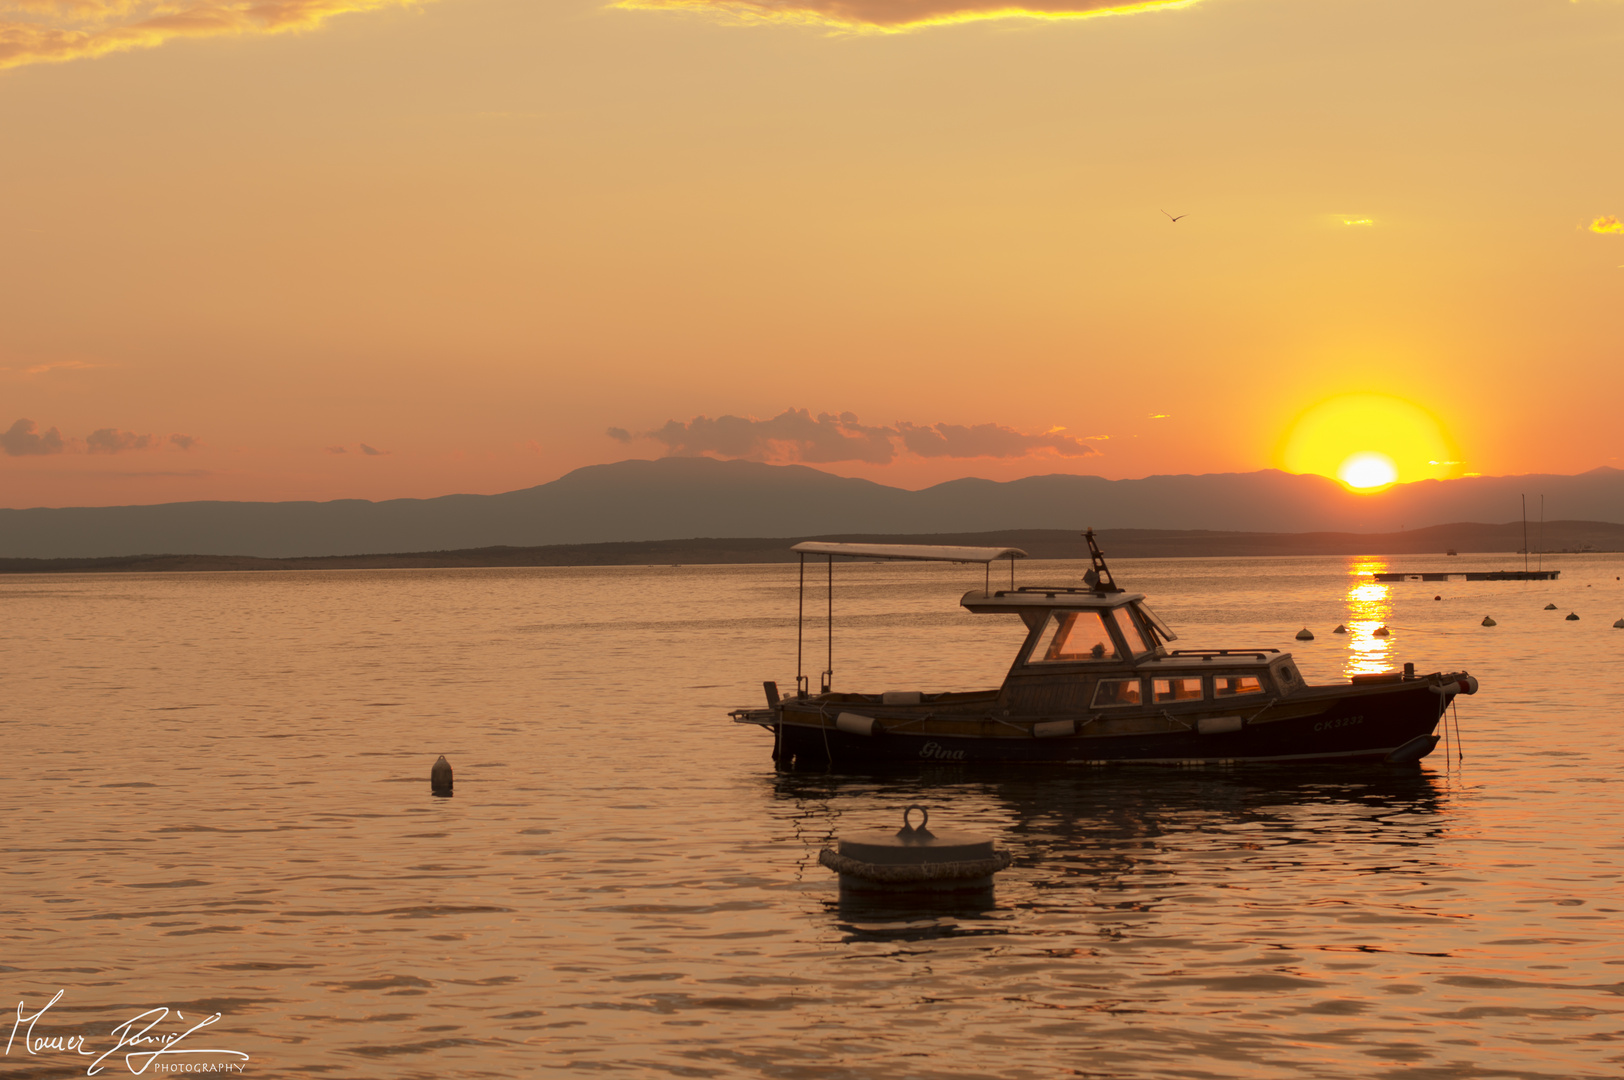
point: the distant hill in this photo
(1503, 541)
(677, 498)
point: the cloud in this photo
(111, 440)
(986, 440)
(371, 452)
(792, 435)
(619, 434)
(891, 16)
(182, 442)
(53, 31)
(796, 435)
(21, 440)
(1607, 224)
(337, 450)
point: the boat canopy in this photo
(919, 552)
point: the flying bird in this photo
(1175, 219)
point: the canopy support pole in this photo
(829, 672)
(801, 687)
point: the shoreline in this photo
(1468, 539)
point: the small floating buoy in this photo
(440, 776)
(1305, 634)
(1572, 617)
(1619, 625)
(1381, 631)
(1437, 598)
(1340, 629)
(914, 859)
(1550, 607)
(1490, 622)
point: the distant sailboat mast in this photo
(1525, 533)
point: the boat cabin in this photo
(1088, 650)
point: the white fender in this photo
(853, 724)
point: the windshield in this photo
(1073, 636)
(1139, 642)
(1155, 622)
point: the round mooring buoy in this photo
(1381, 631)
(1305, 634)
(1573, 617)
(1487, 621)
(1437, 598)
(915, 859)
(1619, 625)
(1550, 607)
(1340, 629)
(440, 776)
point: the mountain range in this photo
(681, 497)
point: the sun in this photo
(1367, 469)
(1368, 441)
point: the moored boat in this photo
(1095, 682)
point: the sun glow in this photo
(1369, 441)
(1367, 469)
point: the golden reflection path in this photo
(1369, 606)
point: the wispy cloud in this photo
(1607, 224)
(792, 435)
(111, 441)
(987, 440)
(891, 16)
(24, 439)
(796, 435)
(52, 31)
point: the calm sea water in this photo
(216, 801)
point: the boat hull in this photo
(1394, 723)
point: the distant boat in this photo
(1451, 551)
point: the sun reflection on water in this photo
(1369, 606)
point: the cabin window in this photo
(1116, 692)
(1138, 643)
(1233, 685)
(1076, 635)
(1187, 689)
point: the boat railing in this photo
(1047, 590)
(1261, 654)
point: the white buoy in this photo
(1381, 631)
(915, 859)
(1490, 622)
(1573, 617)
(440, 776)
(1305, 634)
(1550, 607)
(1619, 625)
(1340, 629)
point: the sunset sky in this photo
(314, 249)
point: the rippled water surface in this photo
(216, 800)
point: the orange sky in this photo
(475, 236)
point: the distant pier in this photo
(1474, 575)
